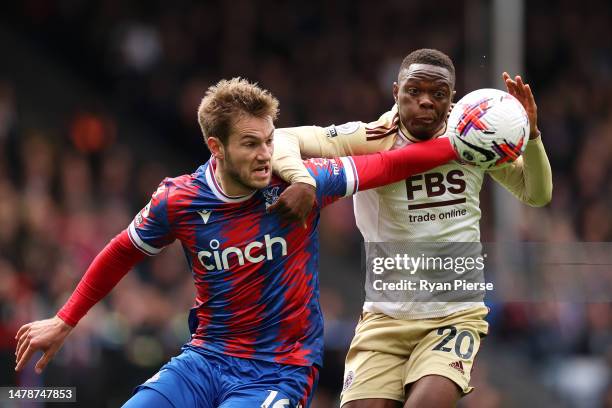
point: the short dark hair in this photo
(429, 56)
(225, 101)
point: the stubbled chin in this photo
(260, 183)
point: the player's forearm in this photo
(379, 169)
(287, 160)
(538, 174)
(529, 179)
(291, 145)
(106, 270)
(315, 141)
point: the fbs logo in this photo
(219, 259)
(436, 184)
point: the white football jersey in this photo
(441, 205)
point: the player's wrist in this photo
(535, 134)
(306, 185)
(65, 323)
(305, 180)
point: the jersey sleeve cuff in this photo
(140, 244)
(536, 141)
(352, 179)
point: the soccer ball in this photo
(488, 128)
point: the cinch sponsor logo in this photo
(218, 260)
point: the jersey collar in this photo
(216, 188)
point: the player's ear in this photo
(216, 147)
(453, 95)
(395, 91)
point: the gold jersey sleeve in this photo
(291, 145)
(529, 178)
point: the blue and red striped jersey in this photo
(256, 275)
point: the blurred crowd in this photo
(65, 190)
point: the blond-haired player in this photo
(395, 357)
(256, 324)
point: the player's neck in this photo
(228, 185)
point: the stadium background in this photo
(98, 103)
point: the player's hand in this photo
(45, 335)
(522, 92)
(295, 203)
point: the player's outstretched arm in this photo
(291, 145)
(530, 177)
(344, 176)
(107, 269)
(379, 169)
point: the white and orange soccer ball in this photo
(488, 128)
